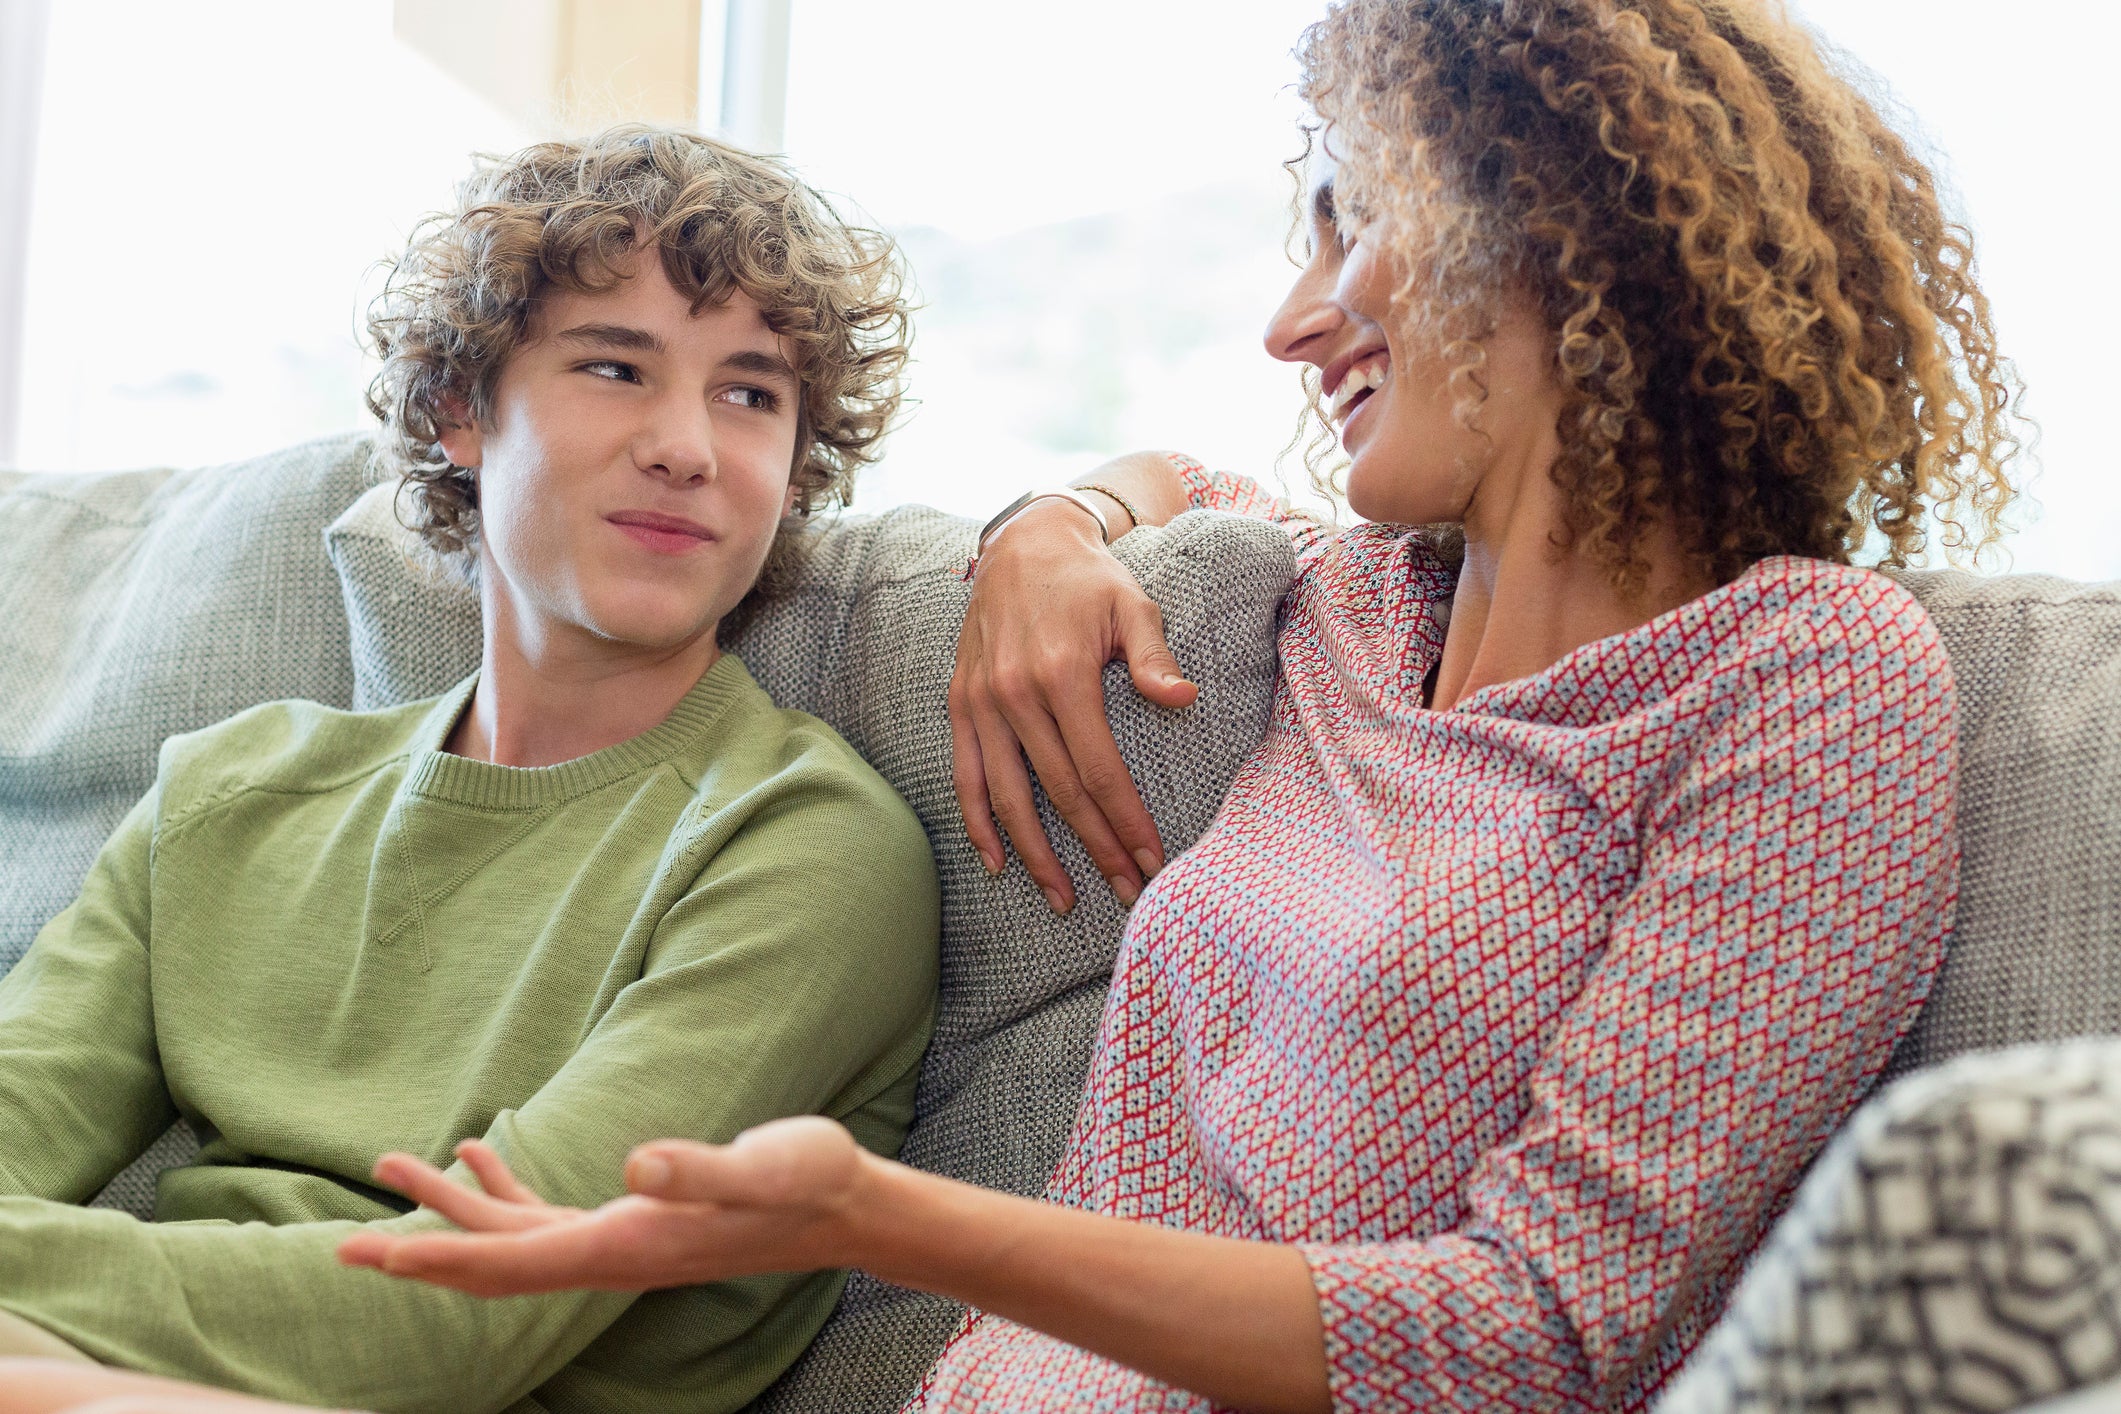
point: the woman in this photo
(1588, 873)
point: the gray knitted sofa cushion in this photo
(2035, 953)
(866, 640)
(1957, 1248)
(133, 606)
(138, 604)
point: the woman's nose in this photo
(1301, 329)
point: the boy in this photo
(602, 891)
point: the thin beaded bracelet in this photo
(1124, 504)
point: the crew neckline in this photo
(440, 775)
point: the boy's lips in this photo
(665, 534)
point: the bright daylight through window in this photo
(1091, 198)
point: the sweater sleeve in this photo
(794, 976)
(1797, 877)
(1240, 495)
(81, 1090)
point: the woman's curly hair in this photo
(1769, 332)
(465, 292)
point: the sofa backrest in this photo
(136, 605)
(2035, 953)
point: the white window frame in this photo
(25, 26)
(743, 86)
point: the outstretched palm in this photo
(769, 1201)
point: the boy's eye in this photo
(612, 371)
(757, 399)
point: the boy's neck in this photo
(545, 697)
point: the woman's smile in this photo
(1354, 384)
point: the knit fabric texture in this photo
(2035, 953)
(1952, 1253)
(137, 605)
(322, 938)
(865, 639)
(134, 606)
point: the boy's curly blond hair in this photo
(461, 298)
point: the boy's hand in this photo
(777, 1199)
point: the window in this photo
(214, 185)
(1091, 196)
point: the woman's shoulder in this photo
(1370, 558)
(1798, 610)
(1799, 643)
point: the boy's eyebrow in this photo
(1322, 208)
(766, 364)
(612, 336)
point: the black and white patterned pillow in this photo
(1957, 1247)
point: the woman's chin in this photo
(1400, 493)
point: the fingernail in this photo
(1054, 899)
(1124, 887)
(994, 866)
(1149, 862)
(651, 1172)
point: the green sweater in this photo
(319, 938)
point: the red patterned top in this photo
(1523, 1018)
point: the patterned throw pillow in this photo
(866, 639)
(1958, 1247)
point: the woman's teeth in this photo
(1356, 381)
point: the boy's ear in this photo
(461, 439)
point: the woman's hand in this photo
(1235, 1321)
(1050, 607)
(777, 1199)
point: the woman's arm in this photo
(1234, 1321)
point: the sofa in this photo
(1958, 1246)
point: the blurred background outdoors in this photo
(193, 197)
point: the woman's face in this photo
(1411, 461)
(636, 464)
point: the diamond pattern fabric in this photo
(1521, 1019)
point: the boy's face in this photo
(635, 466)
